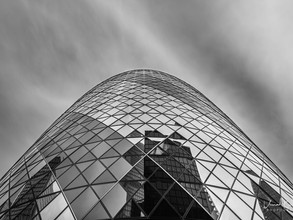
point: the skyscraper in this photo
(145, 145)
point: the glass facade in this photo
(145, 145)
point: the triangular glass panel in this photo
(154, 121)
(215, 181)
(109, 161)
(89, 156)
(90, 146)
(135, 126)
(137, 111)
(224, 160)
(79, 181)
(118, 122)
(176, 135)
(110, 153)
(156, 151)
(228, 214)
(257, 217)
(83, 165)
(112, 142)
(115, 135)
(102, 189)
(105, 178)
(116, 127)
(135, 121)
(135, 134)
(98, 212)
(135, 140)
(95, 139)
(153, 111)
(198, 212)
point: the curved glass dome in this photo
(144, 145)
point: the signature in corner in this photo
(271, 205)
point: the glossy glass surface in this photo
(144, 144)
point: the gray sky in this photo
(237, 53)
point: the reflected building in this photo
(145, 145)
(25, 205)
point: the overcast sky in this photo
(237, 53)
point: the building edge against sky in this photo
(144, 144)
